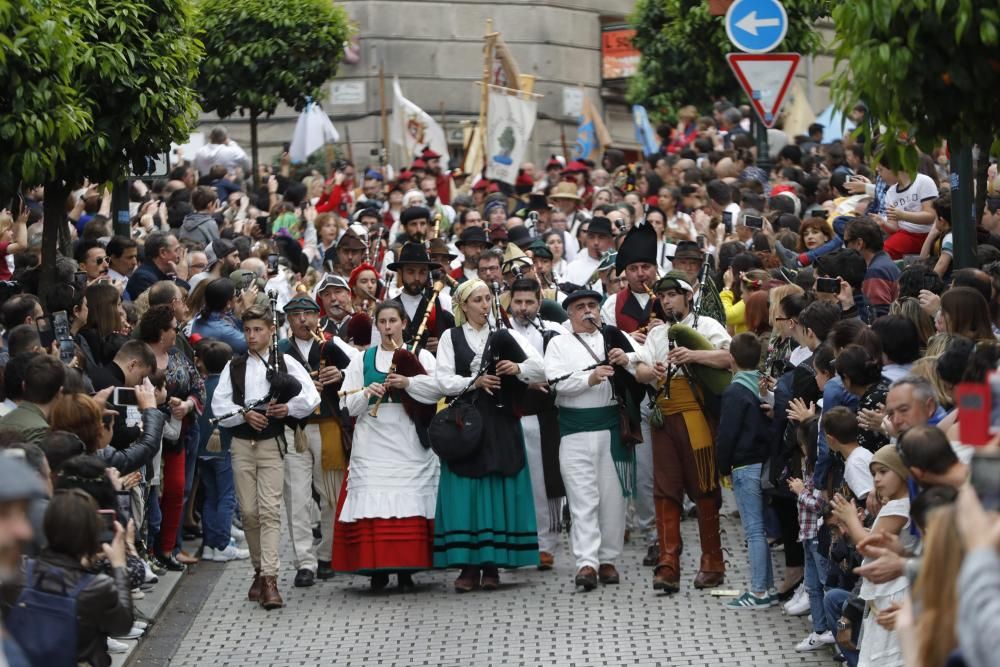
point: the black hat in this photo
(473, 235)
(687, 250)
(639, 245)
(520, 236)
(581, 294)
(537, 202)
(599, 225)
(414, 213)
(412, 253)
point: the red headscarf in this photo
(356, 273)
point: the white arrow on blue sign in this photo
(756, 26)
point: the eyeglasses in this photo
(102, 260)
(784, 319)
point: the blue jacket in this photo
(744, 433)
(220, 327)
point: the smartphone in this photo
(973, 401)
(828, 285)
(60, 324)
(272, 264)
(264, 222)
(124, 396)
(727, 220)
(985, 479)
(80, 280)
(45, 334)
(754, 221)
(702, 242)
(247, 280)
(108, 518)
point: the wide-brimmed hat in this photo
(564, 191)
(599, 225)
(412, 253)
(473, 235)
(439, 247)
(351, 241)
(687, 250)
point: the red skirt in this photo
(368, 546)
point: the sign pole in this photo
(763, 150)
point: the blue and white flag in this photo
(644, 132)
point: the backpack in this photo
(44, 624)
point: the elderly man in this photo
(334, 295)
(597, 468)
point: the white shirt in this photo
(533, 335)
(452, 384)
(911, 199)
(581, 269)
(229, 155)
(257, 386)
(857, 473)
(566, 355)
(655, 347)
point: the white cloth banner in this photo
(509, 122)
(413, 128)
(313, 129)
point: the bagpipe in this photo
(627, 392)
(284, 386)
(707, 382)
(404, 362)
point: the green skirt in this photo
(485, 521)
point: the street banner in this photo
(644, 132)
(313, 130)
(413, 128)
(591, 135)
(509, 124)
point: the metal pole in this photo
(763, 150)
(963, 215)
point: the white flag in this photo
(509, 123)
(312, 130)
(413, 128)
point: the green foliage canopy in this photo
(927, 69)
(259, 53)
(684, 51)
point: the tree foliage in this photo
(926, 69)
(41, 110)
(684, 51)
(259, 53)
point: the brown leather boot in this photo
(270, 598)
(254, 593)
(712, 571)
(667, 575)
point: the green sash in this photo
(579, 420)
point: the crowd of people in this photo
(428, 369)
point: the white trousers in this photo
(596, 503)
(548, 539)
(303, 472)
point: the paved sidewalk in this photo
(535, 619)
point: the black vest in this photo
(238, 378)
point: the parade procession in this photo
(563, 333)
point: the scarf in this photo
(749, 379)
(578, 420)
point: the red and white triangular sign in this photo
(765, 77)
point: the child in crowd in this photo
(216, 464)
(742, 445)
(811, 505)
(841, 426)
(879, 645)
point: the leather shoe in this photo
(170, 563)
(254, 593)
(405, 582)
(270, 598)
(545, 560)
(305, 578)
(709, 579)
(491, 578)
(324, 571)
(652, 555)
(379, 581)
(468, 580)
(586, 578)
(608, 574)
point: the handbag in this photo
(456, 433)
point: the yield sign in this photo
(765, 77)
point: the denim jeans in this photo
(833, 605)
(220, 500)
(153, 517)
(816, 566)
(750, 501)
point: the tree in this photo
(684, 51)
(122, 88)
(259, 53)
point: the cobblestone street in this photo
(536, 618)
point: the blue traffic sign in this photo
(756, 26)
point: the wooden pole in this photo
(384, 157)
(350, 149)
(562, 135)
(444, 128)
(484, 99)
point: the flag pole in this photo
(350, 150)
(384, 156)
(562, 135)
(484, 98)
